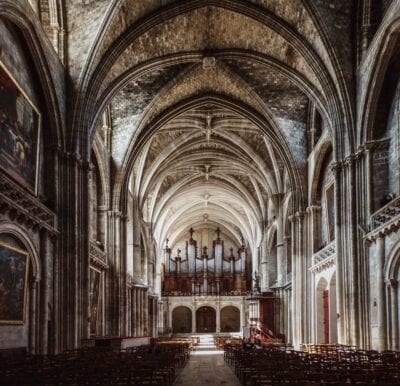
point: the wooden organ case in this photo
(214, 273)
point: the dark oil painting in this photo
(19, 132)
(95, 281)
(13, 284)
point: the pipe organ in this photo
(200, 271)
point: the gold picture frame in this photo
(20, 128)
(14, 270)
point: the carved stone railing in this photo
(98, 257)
(24, 207)
(209, 293)
(324, 253)
(324, 258)
(386, 213)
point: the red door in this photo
(326, 316)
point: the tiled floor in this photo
(206, 366)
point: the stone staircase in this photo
(206, 345)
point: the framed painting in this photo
(14, 266)
(20, 123)
(95, 285)
(330, 211)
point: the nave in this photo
(206, 366)
(172, 168)
(205, 359)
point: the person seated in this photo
(257, 344)
(246, 344)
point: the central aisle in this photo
(206, 366)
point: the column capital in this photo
(336, 167)
(349, 160)
(313, 208)
(392, 283)
(114, 213)
(300, 215)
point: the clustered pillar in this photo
(141, 308)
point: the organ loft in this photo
(199, 181)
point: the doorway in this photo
(206, 319)
(181, 320)
(230, 319)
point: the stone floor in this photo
(206, 366)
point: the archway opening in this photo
(322, 312)
(230, 319)
(206, 320)
(181, 320)
(332, 310)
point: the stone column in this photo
(289, 317)
(293, 323)
(193, 286)
(352, 164)
(169, 315)
(285, 313)
(133, 311)
(242, 315)
(129, 313)
(313, 301)
(366, 25)
(218, 318)
(340, 283)
(368, 181)
(380, 284)
(44, 292)
(33, 316)
(137, 313)
(160, 323)
(145, 313)
(299, 268)
(155, 317)
(280, 249)
(133, 308)
(140, 324)
(394, 314)
(314, 216)
(123, 282)
(280, 261)
(264, 263)
(115, 273)
(194, 319)
(102, 225)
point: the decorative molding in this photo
(24, 207)
(324, 258)
(323, 265)
(209, 62)
(386, 215)
(98, 257)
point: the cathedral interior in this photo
(173, 168)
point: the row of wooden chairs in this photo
(191, 340)
(285, 366)
(144, 365)
(220, 341)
